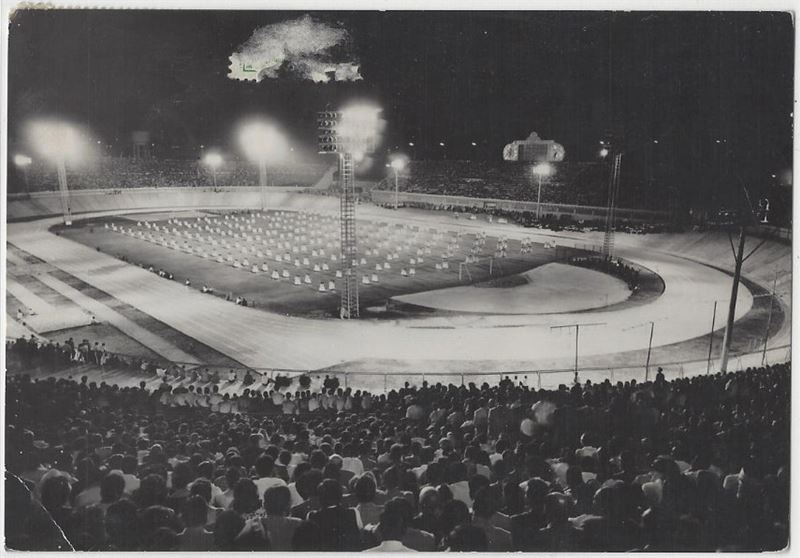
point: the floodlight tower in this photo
(606, 150)
(59, 142)
(350, 134)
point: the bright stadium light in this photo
(23, 162)
(541, 170)
(398, 164)
(60, 143)
(263, 144)
(603, 152)
(213, 160)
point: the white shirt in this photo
(353, 464)
(390, 546)
(460, 491)
(264, 483)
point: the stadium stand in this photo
(693, 464)
(571, 182)
(122, 172)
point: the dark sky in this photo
(682, 79)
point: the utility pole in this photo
(737, 275)
(711, 337)
(577, 337)
(769, 319)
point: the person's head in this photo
(202, 488)
(365, 488)
(456, 472)
(232, 476)
(428, 500)
(307, 484)
(556, 509)
(55, 492)
(393, 523)
(228, 525)
(391, 478)
(329, 492)
(476, 483)
(181, 476)
(318, 459)
(152, 491)
(467, 538)
(163, 539)
(306, 538)
(534, 494)
(485, 503)
(245, 497)
(129, 464)
(277, 500)
(264, 466)
(574, 476)
(111, 488)
(454, 513)
(195, 511)
(120, 522)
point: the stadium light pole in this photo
(262, 144)
(59, 142)
(351, 134)
(398, 164)
(213, 161)
(541, 170)
(23, 162)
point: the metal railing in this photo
(385, 381)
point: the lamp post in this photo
(263, 144)
(59, 142)
(213, 160)
(541, 170)
(23, 162)
(398, 164)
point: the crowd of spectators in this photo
(125, 172)
(573, 183)
(693, 464)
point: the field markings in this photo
(128, 327)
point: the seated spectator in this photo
(337, 525)
(367, 511)
(195, 536)
(483, 511)
(392, 529)
(277, 524)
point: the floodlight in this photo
(262, 142)
(57, 141)
(24, 161)
(604, 152)
(542, 169)
(213, 159)
(398, 163)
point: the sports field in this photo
(289, 262)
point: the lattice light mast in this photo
(350, 133)
(606, 151)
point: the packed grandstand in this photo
(691, 464)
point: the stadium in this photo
(507, 347)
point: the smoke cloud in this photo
(302, 48)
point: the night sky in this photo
(683, 80)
